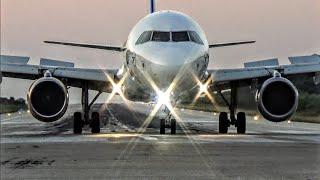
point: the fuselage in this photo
(165, 50)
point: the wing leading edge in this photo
(230, 44)
(92, 46)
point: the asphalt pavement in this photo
(130, 147)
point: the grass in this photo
(10, 108)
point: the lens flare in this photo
(163, 98)
(203, 89)
(116, 87)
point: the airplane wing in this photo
(17, 67)
(223, 78)
(230, 44)
(92, 46)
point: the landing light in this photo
(163, 98)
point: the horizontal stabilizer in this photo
(314, 59)
(230, 44)
(92, 46)
(262, 63)
(50, 62)
(4, 59)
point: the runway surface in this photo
(34, 150)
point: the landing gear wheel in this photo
(95, 122)
(173, 126)
(162, 126)
(223, 123)
(77, 123)
(241, 123)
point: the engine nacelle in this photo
(277, 99)
(48, 99)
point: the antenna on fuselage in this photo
(152, 6)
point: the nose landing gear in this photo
(166, 123)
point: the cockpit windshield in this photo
(161, 36)
(176, 36)
(180, 36)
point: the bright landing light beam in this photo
(163, 98)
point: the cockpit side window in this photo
(195, 37)
(161, 36)
(144, 37)
(180, 36)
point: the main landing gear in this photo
(239, 121)
(81, 119)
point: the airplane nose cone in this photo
(169, 61)
(163, 75)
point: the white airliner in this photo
(166, 59)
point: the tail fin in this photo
(152, 6)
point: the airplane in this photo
(166, 58)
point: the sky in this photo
(282, 28)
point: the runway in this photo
(34, 150)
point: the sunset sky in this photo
(281, 28)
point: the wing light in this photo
(116, 87)
(203, 89)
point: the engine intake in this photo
(48, 99)
(277, 99)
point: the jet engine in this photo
(277, 99)
(48, 99)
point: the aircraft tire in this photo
(162, 126)
(95, 123)
(77, 123)
(173, 126)
(241, 123)
(223, 123)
